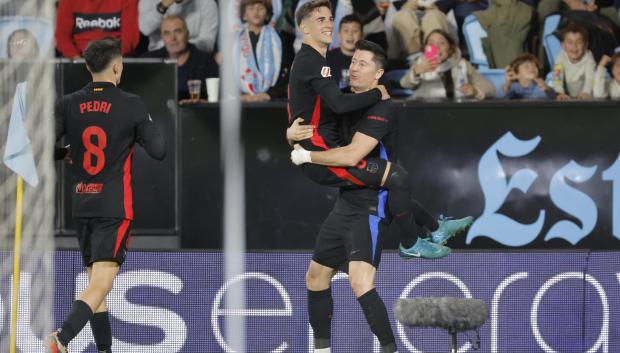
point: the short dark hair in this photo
(523, 58)
(573, 28)
(379, 56)
(246, 3)
(99, 53)
(306, 9)
(352, 18)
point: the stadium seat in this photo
(42, 29)
(473, 33)
(550, 41)
(496, 76)
(393, 77)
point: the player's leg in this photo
(88, 301)
(100, 325)
(407, 213)
(83, 228)
(365, 255)
(104, 245)
(328, 256)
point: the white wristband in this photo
(300, 156)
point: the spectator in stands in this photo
(194, 64)
(339, 59)
(264, 73)
(462, 8)
(79, 22)
(410, 26)
(523, 80)
(604, 88)
(201, 17)
(446, 74)
(573, 73)
(22, 45)
(507, 24)
(373, 25)
(606, 8)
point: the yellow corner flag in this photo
(19, 158)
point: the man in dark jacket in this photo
(194, 64)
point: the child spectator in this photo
(339, 59)
(445, 74)
(574, 66)
(264, 72)
(604, 88)
(523, 81)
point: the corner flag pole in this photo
(16, 261)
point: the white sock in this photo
(323, 350)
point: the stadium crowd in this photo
(430, 45)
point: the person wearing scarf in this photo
(446, 76)
(262, 72)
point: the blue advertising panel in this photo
(173, 302)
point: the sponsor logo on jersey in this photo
(377, 118)
(90, 188)
(108, 22)
(326, 71)
(372, 167)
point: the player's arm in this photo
(347, 156)
(149, 136)
(376, 124)
(297, 132)
(59, 129)
(342, 103)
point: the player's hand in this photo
(384, 93)
(300, 156)
(68, 155)
(298, 132)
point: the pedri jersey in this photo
(378, 122)
(314, 96)
(102, 123)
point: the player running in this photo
(102, 123)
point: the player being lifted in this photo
(314, 97)
(102, 123)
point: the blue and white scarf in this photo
(257, 73)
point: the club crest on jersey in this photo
(326, 71)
